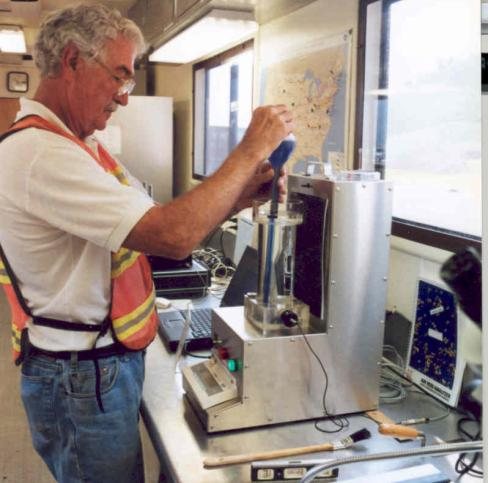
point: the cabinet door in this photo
(153, 16)
(183, 5)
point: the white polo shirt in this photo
(61, 215)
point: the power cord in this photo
(219, 265)
(340, 423)
(221, 270)
(198, 356)
(463, 466)
(392, 389)
(399, 359)
(409, 385)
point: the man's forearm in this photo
(176, 228)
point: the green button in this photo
(232, 365)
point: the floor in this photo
(19, 463)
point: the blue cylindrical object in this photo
(281, 154)
(277, 159)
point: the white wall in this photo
(410, 261)
(141, 136)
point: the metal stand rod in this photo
(434, 450)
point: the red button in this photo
(223, 353)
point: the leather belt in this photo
(83, 355)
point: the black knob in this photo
(289, 318)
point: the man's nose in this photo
(122, 100)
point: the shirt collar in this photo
(29, 107)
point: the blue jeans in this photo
(77, 441)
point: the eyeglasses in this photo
(126, 86)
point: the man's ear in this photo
(70, 59)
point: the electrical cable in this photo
(392, 389)
(198, 356)
(220, 272)
(397, 392)
(463, 431)
(228, 226)
(390, 348)
(340, 423)
(462, 466)
(430, 419)
(419, 390)
(215, 261)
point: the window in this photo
(222, 106)
(419, 110)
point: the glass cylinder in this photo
(274, 307)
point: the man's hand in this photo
(268, 127)
(259, 187)
(175, 228)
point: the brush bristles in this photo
(352, 438)
(360, 435)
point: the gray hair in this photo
(88, 27)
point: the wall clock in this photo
(17, 81)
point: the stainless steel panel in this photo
(355, 267)
(281, 380)
(359, 249)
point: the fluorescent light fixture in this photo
(212, 32)
(12, 39)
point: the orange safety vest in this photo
(133, 313)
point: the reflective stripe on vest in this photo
(18, 318)
(133, 312)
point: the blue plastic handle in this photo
(281, 154)
(277, 159)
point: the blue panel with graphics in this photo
(434, 344)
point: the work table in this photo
(182, 443)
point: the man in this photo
(72, 222)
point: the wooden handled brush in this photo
(281, 453)
(400, 431)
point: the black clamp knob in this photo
(289, 318)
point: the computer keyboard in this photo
(171, 325)
(201, 323)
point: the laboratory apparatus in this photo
(274, 307)
(308, 343)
